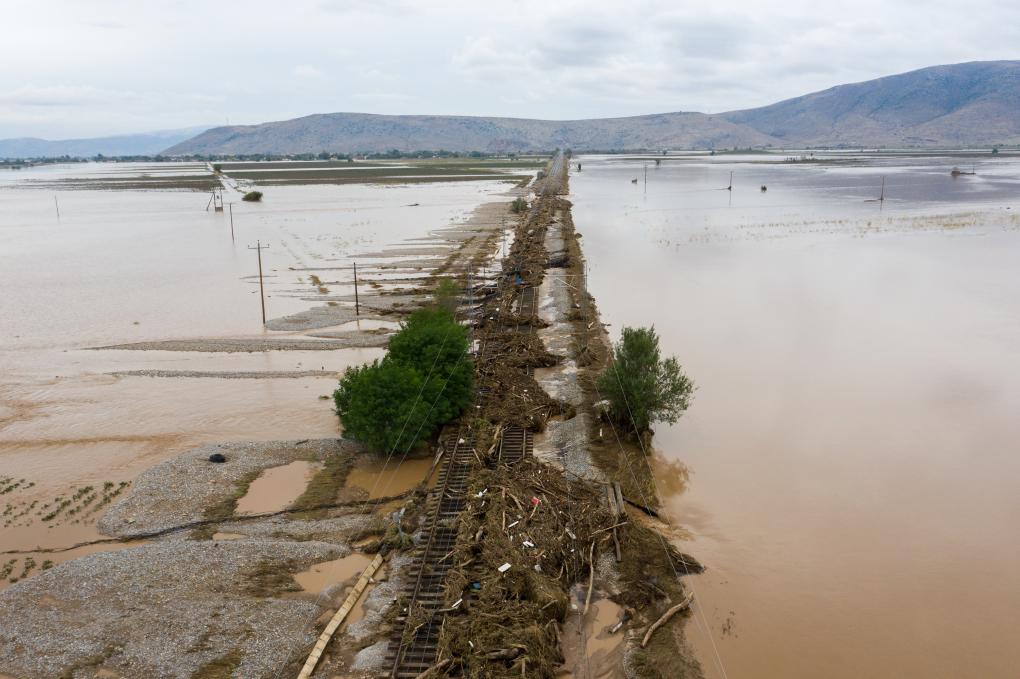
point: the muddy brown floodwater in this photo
(392, 478)
(122, 267)
(277, 487)
(848, 468)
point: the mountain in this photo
(145, 144)
(364, 132)
(976, 103)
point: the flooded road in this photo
(848, 468)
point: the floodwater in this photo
(325, 574)
(392, 478)
(277, 487)
(847, 470)
(128, 266)
(590, 650)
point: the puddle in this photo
(277, 487)
(589, 650)
(322, 576)
(391, 480)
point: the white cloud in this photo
(105, 66)
(306, 71)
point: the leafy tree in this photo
(379, 405)
(641, 386)
(424, 381)
(432, 342)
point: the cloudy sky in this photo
(95, 67)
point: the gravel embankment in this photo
(162, 610)
(179, 490)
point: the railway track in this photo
(417, 652)
(414, 650)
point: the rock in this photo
(218, 457)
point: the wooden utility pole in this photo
(262, 291)
(357, 304)
(232, 223)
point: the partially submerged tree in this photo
(641, 386)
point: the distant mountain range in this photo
(971, 104)
(977, 103)
(149, 143)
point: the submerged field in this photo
(136, 325)
(845, 471)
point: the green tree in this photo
(424, 381)
(384, 406)
(641, 386)
(432, 342)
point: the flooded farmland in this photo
(134, 326)
(847, 470)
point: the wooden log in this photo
(665, 618)
(618, 492)
(611, 499)
(591, 579)
(339, 617)
(435, 668)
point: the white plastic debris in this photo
(504, 568)
(528, 543)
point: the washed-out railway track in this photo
(413, 650)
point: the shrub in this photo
(252, 196)
(519, 205)
(641, 386)
(447, 295)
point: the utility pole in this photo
(232, 223)
(58, 208)
(646, 177)
(357, 304)
(262, 291)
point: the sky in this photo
(81, 68)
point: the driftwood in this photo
(504, 653)
(434, 669)
(647, 510)
(666, 617)
(591, 579)
(339, 617)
